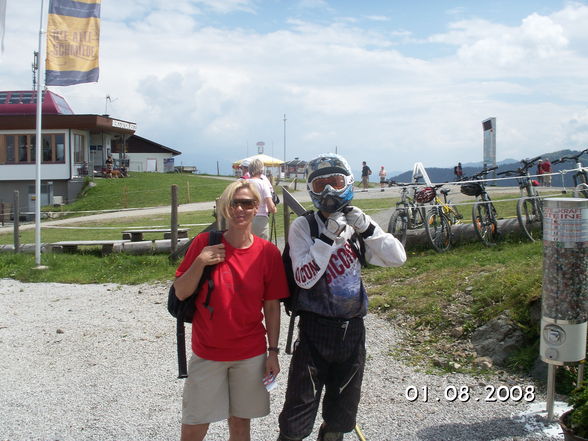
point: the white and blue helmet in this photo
(329, 182)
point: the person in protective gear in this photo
(330, 351)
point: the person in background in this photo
(244, 166)
(458, 171)
(330, 350)
(109, 166)
(382, 178)
(231, 357)
(540, 171)
(266, 204)
(547, 172)
(365, 176)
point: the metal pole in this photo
(174, 219)
(16, 203)
(38, 136)
(284, 144)
(581, 373)
(550, 390)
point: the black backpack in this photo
(291, 303)
(183, 310)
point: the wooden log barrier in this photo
(463, 233)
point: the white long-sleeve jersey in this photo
(329, 272)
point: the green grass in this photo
(88, 267)
(146, 190)
(434, 294)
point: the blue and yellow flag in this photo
(73, 37)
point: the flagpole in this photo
(38, 140)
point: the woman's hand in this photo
(212, 254)
(272, 365)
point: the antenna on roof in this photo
(106, 103)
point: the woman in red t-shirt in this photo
(231, 360)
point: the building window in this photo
(59, 147)
(21, 149)
(10, 148)
(79, 148)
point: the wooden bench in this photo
(71, 246)
(137, 235)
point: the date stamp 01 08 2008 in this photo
(465, 394)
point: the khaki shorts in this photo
(215, 390)
(260, 227)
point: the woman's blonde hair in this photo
(256, 167)
(224, 203)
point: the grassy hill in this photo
(146, 190)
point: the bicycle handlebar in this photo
(528, 163)
(479, 174)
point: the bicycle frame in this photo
(483, 210)
(408, 215)
(530, 204)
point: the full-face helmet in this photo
(329, 182)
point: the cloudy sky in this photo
(388, 82)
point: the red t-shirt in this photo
(242, 282)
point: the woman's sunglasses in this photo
(245, 204)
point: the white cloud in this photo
(210, 89)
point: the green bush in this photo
(578, 418)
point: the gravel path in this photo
(98, 362)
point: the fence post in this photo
(16, 221)
(221, 222)
(174, 219)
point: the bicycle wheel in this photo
(530, 216)
(485, 224)
(398, 225)
(438, 230)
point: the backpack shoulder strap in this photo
(214, 238)
(357, 243)
(312, 222)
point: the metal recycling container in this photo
(564, 312)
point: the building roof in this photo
(137, 144)
(92, 123)
(24, 102)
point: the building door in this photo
(151, 165)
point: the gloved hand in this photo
(357, 219)
(335, 224)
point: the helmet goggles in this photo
(337, 182)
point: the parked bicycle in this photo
(440, 217)
(409, 215)
(484, 216)
(580, 176)
(530, 204)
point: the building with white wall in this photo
(73, 146)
